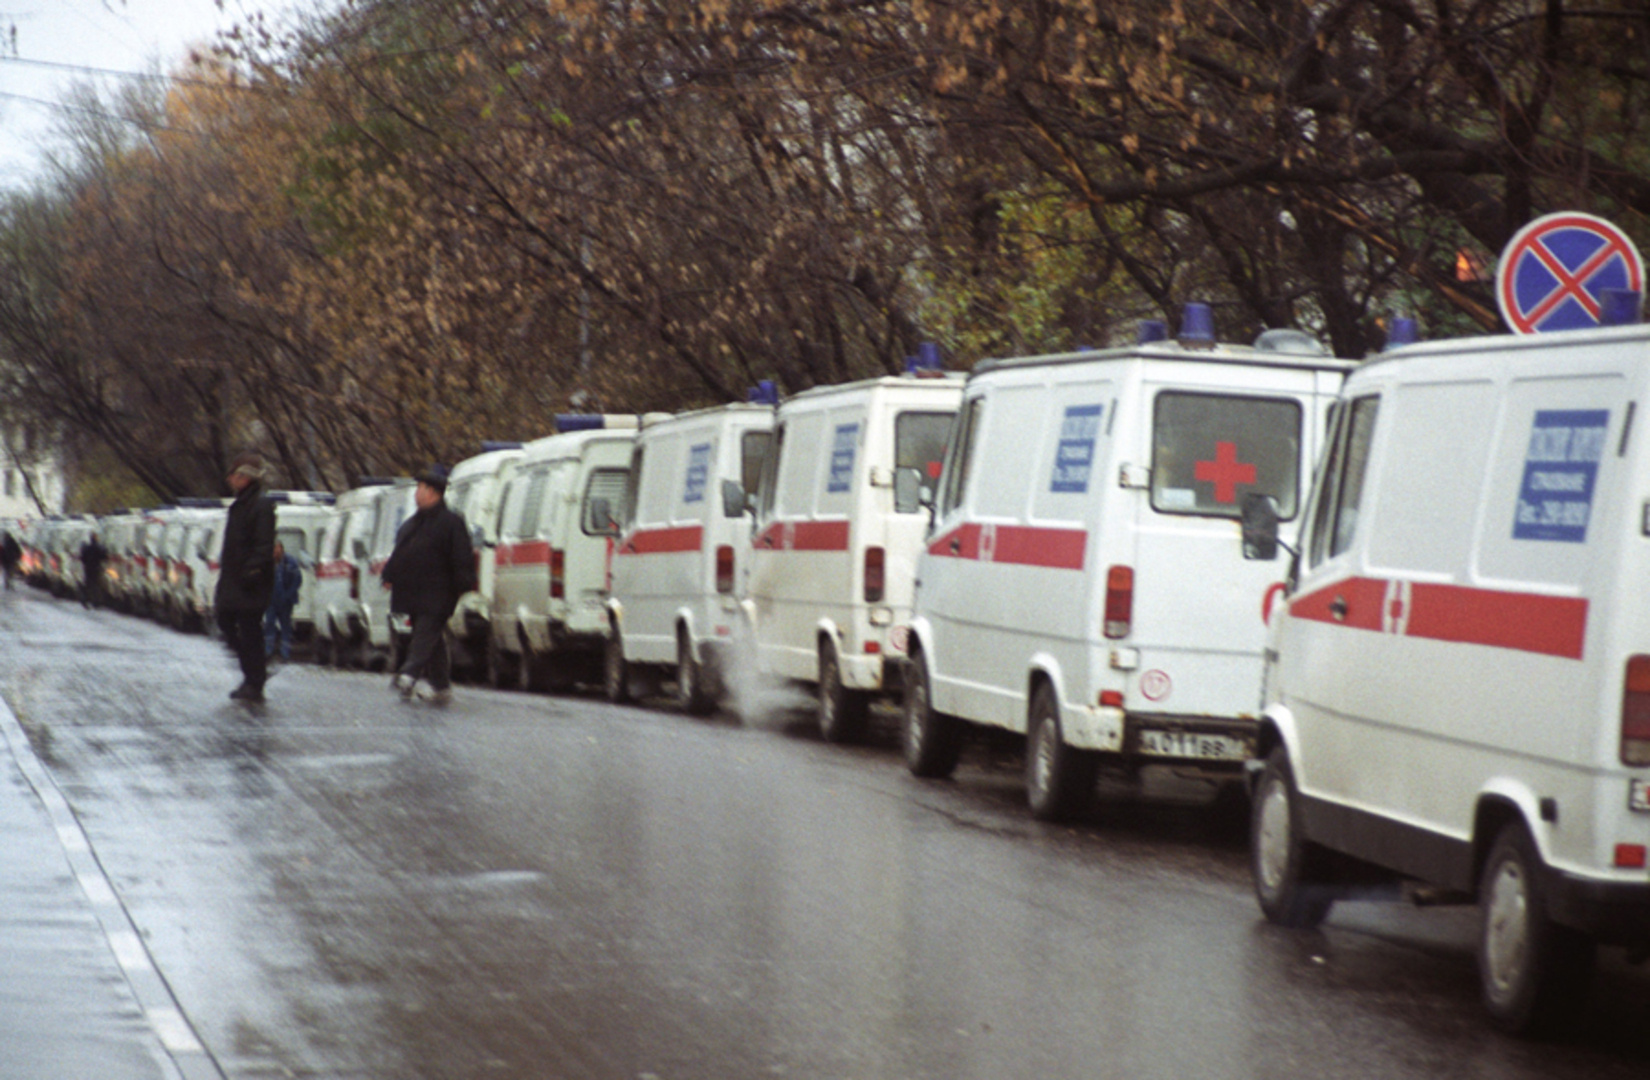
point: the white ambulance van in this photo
(185, 566)
(550, 577)
(839, 526)
(341, 563)
(685, 529)
(476, 489)
(202, 546)
(393, 503)
(1084, 582)
(1458, 686)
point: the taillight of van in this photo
(558, 574)
(724, 568)
(1635, 712)
(875, 562)
(1119, 601)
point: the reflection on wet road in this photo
(342, 885)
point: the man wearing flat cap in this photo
(247, 573)
(432, 565)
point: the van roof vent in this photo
(1288, 340)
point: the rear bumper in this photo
(1613, 912)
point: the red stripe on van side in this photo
(804, 536)
(335, 568)
(663, 541)
(526, 553)
(1525, 622)
(1016, 545)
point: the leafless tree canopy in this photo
(377, 239)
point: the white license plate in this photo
(401, 624)
(1191, 744)
(1638, 795)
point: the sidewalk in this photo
(79, 997)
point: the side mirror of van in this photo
(734, 501)
(1260, 527)
(909, 490)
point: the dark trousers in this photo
(278, 632)
(243, 632)
(427, 656)
(91, 590)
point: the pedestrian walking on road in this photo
(92, 557)
(247, 573)
(11, 553)
(432, 565)
(289, 578)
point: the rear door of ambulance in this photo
(1214, 433)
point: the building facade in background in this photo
(32, 481)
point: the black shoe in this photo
(247, 692)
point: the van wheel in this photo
(932, 740)
(615, 671)
(691, 692)
(1059, 778)
(1278, 851)
(1534, 972)
(323, 651)
(842, 712)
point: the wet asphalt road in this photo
(340, 885)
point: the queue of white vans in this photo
(1420, 662)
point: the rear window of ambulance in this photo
(919, 443)
(1211, 450)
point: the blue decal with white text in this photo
(1560, 470)
(698, 471)
(1074, 456)
(842, 457)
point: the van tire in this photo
(1060, 778)
(1279, 854)
(322, 648)
(1534, 972)
(615, 670)
(842, 712)
(932, 741)
(692, 692)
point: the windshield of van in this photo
(919, 444)
(1210, 450)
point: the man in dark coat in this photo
(92, 557)
(432, 565)
(247, 573)
(11, 553)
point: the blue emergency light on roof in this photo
(1619, 307)
(927, 361)
(566, 422)
(763, 393)
(1197, 324)
(1151, 330)
(489, 445)
(1405, 331)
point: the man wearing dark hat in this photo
(432, 565)
(247, 573)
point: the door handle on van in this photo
(1337, 608)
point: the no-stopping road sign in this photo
(1554, 272)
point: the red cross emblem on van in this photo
(1225, 472)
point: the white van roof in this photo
(1502, 343)
(951, 379)
(1246, 355)
(667, 421)
(571, 444)
(483, 463)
